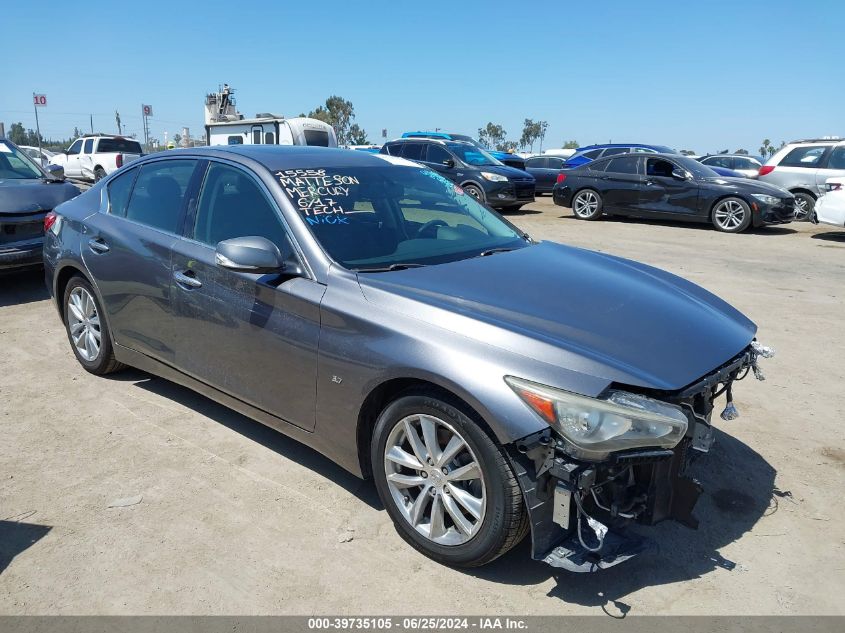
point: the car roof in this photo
(442, 141)
(277, 157)
(729, 156)
(606, 145)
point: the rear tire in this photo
(587, 204)
(805, 204)
(87, 329)
(99, 174)
(467, 521)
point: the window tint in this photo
(837, 158)
(718, 161)
(319, 138)
(159, 193)
(89, 146)
(592, 154)
(256, 137)
(598, 165)
(74, 149)
(235, 140)
(413, 151)
(745, 163)
(232, 205)
(612, 151)
(555, 163)
(124, 145)
(269, 138)
(624, 165)
(437, 154)
(647, 150)
(394, 149)
(659, 167)
(118, 190)
(804, 156)
(536, 163)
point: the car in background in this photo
(830, 207)
(509, 159)
(372, 149)
(94, 157)
(28, 192)
(670, 187)
(746, 166)
(491, 385)
(803, 168)
(470, 166)
(584, 155)
(545, 170)
(40, 156)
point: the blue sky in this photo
(690, 74)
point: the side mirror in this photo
(250, 254)
(449, 163)
(680, 174)
(55, 173)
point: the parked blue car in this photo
(589, 153)
(511, 160)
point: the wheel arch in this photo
(804, 190)
(62, 279)
(388, 391)
(725, 196)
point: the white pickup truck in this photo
(95, 157)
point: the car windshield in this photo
(698, 170)
(472, 154)
(375, 218)
(16, 165)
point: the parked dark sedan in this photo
(545, 170)
(669, 186)
(27, 194)
(372, 309)
(483, 177)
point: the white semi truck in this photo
(224, 125)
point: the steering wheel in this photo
(430, 225)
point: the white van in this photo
(271, 130)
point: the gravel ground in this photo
(221, 515)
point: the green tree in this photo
(357, 135)
(339, 113)
(177, 138)
(571, 145)
(17, 134)
(531, 131)
(688, 152)
(767, 149)
(744, 152)
(492, 135)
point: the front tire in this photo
(475, 192)
(587, 204)
(731, 215)
(448, 488)
(87, 329)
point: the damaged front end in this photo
(606, 464)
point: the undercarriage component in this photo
(616, 548)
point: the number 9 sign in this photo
(40, 100)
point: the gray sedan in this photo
(370, 308)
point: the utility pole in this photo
(37, 125)
(117, 119)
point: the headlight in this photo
(595, 427)
(762, 197)
(493, 177)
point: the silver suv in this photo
(802, 167)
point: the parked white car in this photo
(830, 207)
(41, 157)
(95, 157)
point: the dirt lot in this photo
(237, 519)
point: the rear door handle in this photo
(187, 280)
(98, 245)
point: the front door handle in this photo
(98, 245)
(187, 279)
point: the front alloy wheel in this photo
(434, 479)
(732, 215)
(448, 487)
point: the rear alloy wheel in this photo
(731, 215)
(475, 192)
(587, 205)
(448, 488)
(804, 205)
(87, 330)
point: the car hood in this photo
(504, 170)
(17, 196)
(576, 309)
(750, 186)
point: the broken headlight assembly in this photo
(595, 427)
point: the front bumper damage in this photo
(581, 511)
